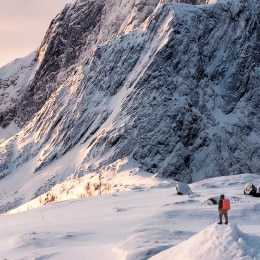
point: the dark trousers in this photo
(221, 213)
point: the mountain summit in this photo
(172, 85)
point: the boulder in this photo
(183, 189)
(257, 194)
(250, 189)
(258, 189)
(213, 201)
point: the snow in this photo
(144, 222)
(8, 132)
(215, 242)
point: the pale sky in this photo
(23, 24)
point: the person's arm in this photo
(220, 204)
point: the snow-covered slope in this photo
(215, 242)
(140, 224)
(170, 85)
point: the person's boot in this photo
(220, 223)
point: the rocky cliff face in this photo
(75, 32)
(173, 85)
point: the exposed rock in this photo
(14, 78)
(213, 201)
(250, 189)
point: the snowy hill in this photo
(215, 242)
(169, 86)
(144, 223)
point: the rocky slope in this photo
(173, 85)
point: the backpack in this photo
(225, 204)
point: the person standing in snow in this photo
(222, 211)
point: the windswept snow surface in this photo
(142, 223)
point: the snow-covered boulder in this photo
(213, 201)
(257, 194)
(183, 189)
(250, 189)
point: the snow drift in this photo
(215, 242)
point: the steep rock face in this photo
(174, 86)
(193, 109)
(13, 82)
(76, 31)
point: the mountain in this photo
(169, 85)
